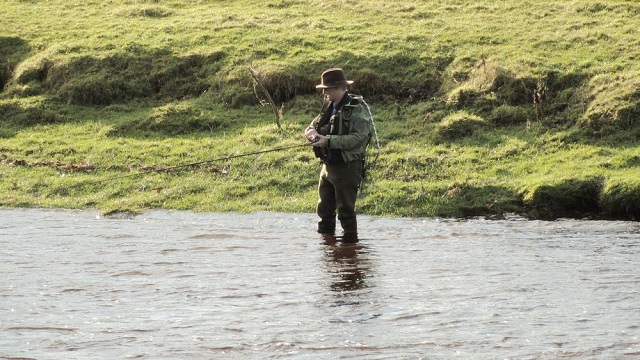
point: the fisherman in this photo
(339, 134)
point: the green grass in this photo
(94, 90)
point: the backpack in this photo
(373, 133)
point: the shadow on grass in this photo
(570, 198)
(134, 73)
(12, 51)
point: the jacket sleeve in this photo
(358, 134)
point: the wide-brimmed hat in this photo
(333, 78)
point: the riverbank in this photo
(482, 110)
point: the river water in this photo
(183, 285)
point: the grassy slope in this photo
(93, 89)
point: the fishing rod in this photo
(185, 165)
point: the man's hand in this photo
(311, 134)
(320, 141)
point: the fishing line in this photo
(183, 166)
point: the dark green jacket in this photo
(351, 132)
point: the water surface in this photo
(178, 285)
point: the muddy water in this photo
(181, 285)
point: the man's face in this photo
(334, 93)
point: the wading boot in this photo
(350, 237)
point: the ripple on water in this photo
(263, 285)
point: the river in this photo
(184, 285)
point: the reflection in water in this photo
(347, 264)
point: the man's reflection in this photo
(347, 264)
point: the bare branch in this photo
(256, 84)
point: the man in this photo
(340, 134)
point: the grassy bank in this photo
(483, 108)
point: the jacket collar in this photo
(346, 99)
